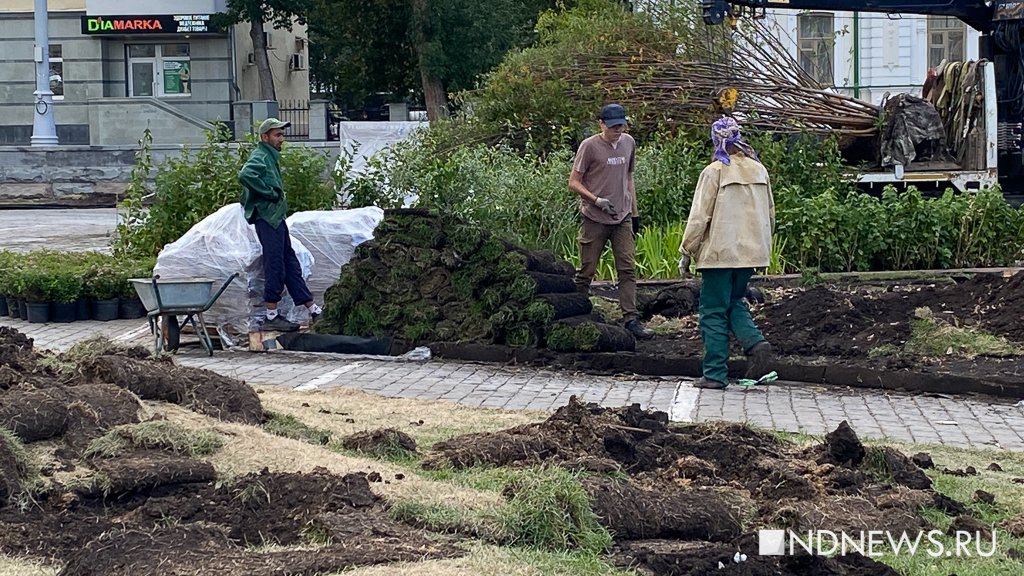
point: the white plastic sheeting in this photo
(332, 237)
(369, 138)
(221, 244)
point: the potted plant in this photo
(65, 290)
(8, 260)
(103, 283)
(36, 282)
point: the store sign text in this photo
(162, 24)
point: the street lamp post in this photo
(44, 130)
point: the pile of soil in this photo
(153, 510)
(696, 493)
(425, 278)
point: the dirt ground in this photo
(678, 499)
(154, 511)
(843, 323)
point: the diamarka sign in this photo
(122, 25)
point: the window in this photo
(816, 43)
(945, 39)
(57, 71)
(159, 70)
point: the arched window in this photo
(816, 45)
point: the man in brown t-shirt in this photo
(602, 176)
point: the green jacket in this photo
(262, 188)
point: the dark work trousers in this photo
(594, 236)
(723, 311)
(280, 265)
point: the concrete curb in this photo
(690, 367)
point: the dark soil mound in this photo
(384, 442)
(147, 470)
(11, 470)
(16, 350)
(81, 412)
(696, 484)
(205, 549)
(265, 506)
(201, 390)
(849, 322)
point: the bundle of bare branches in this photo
(686, 86)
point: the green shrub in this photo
(199, 182)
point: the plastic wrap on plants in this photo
(332, 236)
(221, 244)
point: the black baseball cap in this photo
(613, 115)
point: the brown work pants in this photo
(593, 238)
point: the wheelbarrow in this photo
(166, 300)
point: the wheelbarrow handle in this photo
(221, 291)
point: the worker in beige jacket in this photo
(729, 234)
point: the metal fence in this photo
(296, 112)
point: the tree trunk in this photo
(433, 88)
(259, 50)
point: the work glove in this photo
(605, 205)
(684, 266)
(636, 227)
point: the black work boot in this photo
(279, 324)
(703, 382)
(759, 359)
(638, 330)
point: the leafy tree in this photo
(282, 13)
(429, 47)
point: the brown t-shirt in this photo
(605, 171)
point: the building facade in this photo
(117, 68)
(867, 55)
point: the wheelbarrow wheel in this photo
(172, 333)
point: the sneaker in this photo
(759, 358)
(638, 330)
(280, 324)
(703, 382)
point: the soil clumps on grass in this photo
(137, 498)
(694, 493)
(425, 278)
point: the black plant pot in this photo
(65, 312)
(82, 309)
(38, 312)
(105, 310)
(4, 311)
(22, 310)
(132, 308)
(12, 308)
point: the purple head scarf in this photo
(725, 132)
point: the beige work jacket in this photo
(732, 216)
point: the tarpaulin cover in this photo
(913, 132)
(221, 244)
(332, 237)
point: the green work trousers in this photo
(722, 310)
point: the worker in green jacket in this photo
(265, 208)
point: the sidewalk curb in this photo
(690, 367)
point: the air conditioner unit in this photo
(300, 44)
(250, 59)
(297, 62)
